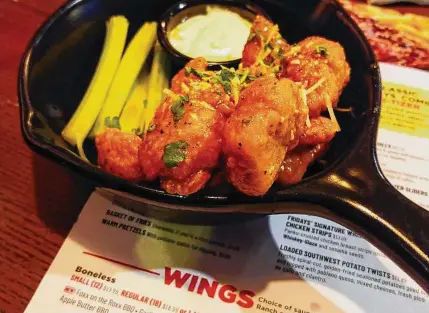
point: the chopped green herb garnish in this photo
(137, 131)
(268, 46)
(145, 103)
(268, 62)
(226, 74)
(174, 153)
(184, 98)
(276, 69)
(151, 127)
(321, 50)
(281, 52)
(178, 107)
(227, 87)
(112, 122)
(190, 70)
(243, 75)
(225, 77)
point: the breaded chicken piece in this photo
(269, 115)
(182, 153)
(118, 154)
(264, 48)
(321, 130)
(297, 161)
(321, 66)
(197, 81)
(184, 143)
(188, 74)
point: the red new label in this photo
(69, 289)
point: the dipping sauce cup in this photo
(215, 30)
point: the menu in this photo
(117, 261)
(404, 131)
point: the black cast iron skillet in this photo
(60, 59)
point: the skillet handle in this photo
(393, 223)
(357, 195)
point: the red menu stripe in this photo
(121, 263)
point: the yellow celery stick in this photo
(166, 73)
(134, 108)
(159, 76)
(129, 68)
(85, 115)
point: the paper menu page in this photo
(403, 137)
(116, 261)
(119, 261)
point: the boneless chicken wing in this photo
(195, 80)
(269, 115)
(321, 130)
(296, 163)
(118, 154)
(265, 43)
(184, 143)
(320, 65)
(190, 73)
(308, 148)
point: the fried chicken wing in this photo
(296, 163)
(321, 130)
(184, 143)
(202, 84)
(118, 154)
(321, 66)
(182, 80)
(183, 153)
(264, 48)
(269, 115)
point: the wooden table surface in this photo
(39, 200)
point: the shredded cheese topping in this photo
(235, 82)
(273, 30)
(304, 101)
(316, 85)
(293, 50)
(206, 105)
(185, 88)
(266, 53)
(169, 93)
(194, 116)
(200, 85)
(331, 111)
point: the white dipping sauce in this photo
(218, 35)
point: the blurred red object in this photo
(397, 38)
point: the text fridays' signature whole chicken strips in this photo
(264, 117)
